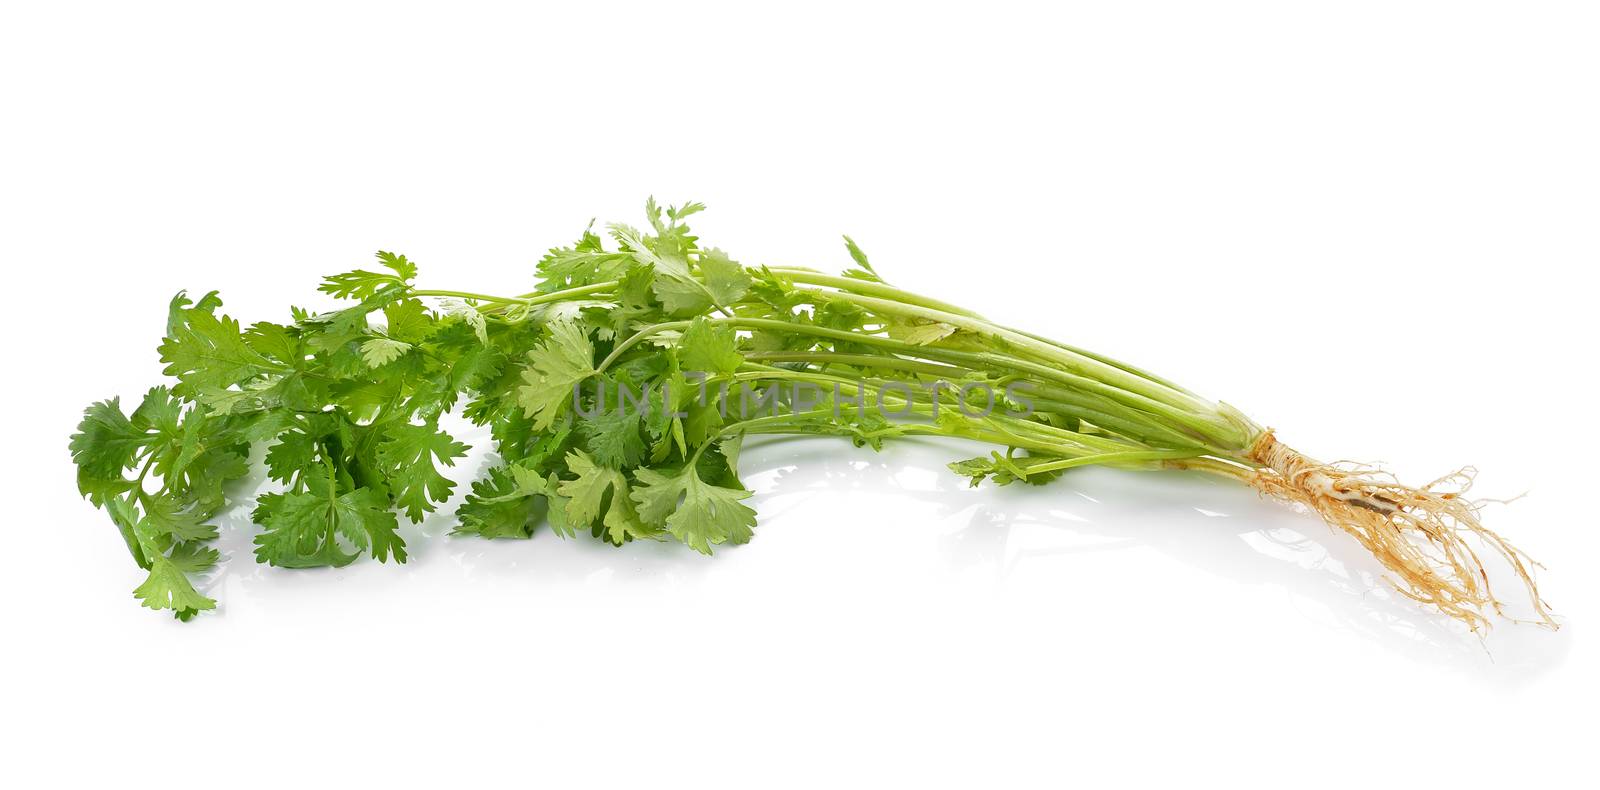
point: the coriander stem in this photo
(1070, 361)
(1111, 459)
(1107, 360)
(526, 300)
(1201, 414)
(639, 336)
(994, 429)
(1055, 399)
(1203, 425)
(568, 293)
(860, 360)
(868, 288)
(470, 295)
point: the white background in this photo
(1370, 225)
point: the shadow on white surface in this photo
(1204, 523)
(1224, 529)
(545, 559)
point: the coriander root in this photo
(1419, 534)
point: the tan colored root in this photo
(1419, 534)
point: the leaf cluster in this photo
(347, 406)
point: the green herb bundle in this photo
(348, 404)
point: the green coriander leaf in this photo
(404, 269)
(675, 285)
(840, 314)
(681, 297)
(585, 496)
(569, 268)
(518, 444)
(698, 514)
(364, 511)
(727, 281)
(1004, 470)
(409, 320)
(557, 514)
(380, 351)
(622, 523)
(705, 418)
(208, 351)
(866, 272)
(709, 347)
(554, 368)
(362, 284)
(168, 588)
(652, 212)
(777, 292)
(261, 426)
(584, 263)
(159, 411)
(252, 396)
(921, 333)
(180, 305)
(470, 315)
(294, 454)
(457, 362)
(302, 530)
(193, 557)
(126, 517)
(635, 300)
(408, 458)
(298, 531)
(102, 448)
(614, 435)
(677, 213)
(503, 505)
(168, 514)
(586, 493)
(277, 343)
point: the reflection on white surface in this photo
(1209, 524)
(900, 512)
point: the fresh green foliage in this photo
(553, 368)
(698, 514)
(348, 406)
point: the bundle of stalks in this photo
(350, 402)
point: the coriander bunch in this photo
(348, 405)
